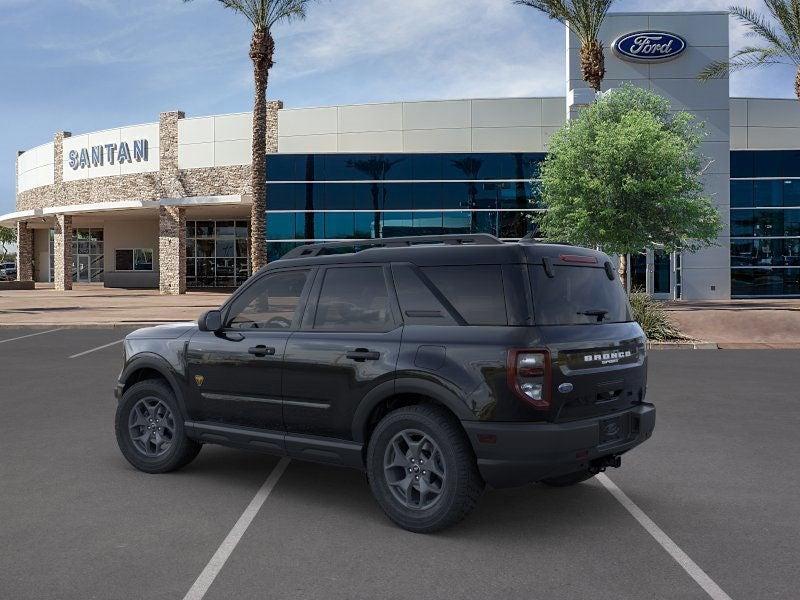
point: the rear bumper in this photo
(528, 452)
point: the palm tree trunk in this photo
(622, 270)
(593, 64)
(262, 48)
(797, 84)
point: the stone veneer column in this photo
(62, 250)
(171, 219)
(24, 252)
(171, 250)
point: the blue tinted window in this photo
(426, 195)
(457, 222)
(427, 223)
(367, 196)
(280, 226)
(367, 225)
(339, 225)
(485, 222)
(339, 196)
(311, 196)
(397, 196)
(282, 196)
(768, 163)
(768, 193)
(426, 166)
(463, 166)
(398, 224)
(281, 167)
(455, 195)
(791, 192)
(765, 282)
(791, 222)
(309, 226)
(742, 164)
(741, 194)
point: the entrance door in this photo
(235, 374)
(83, 269)
(662, 274)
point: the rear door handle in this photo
(362, 354)
(261, 350)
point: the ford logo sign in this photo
(649, 46)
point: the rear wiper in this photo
(599, 313)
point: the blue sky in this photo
(84, 65)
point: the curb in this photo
(682, 346)
(106, 325)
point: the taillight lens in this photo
(529, 376)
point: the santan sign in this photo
(97, 156)
(649, 46)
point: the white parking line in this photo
(22, 337)
(214, 566)
(686, 563)
(96, 349)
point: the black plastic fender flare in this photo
(404, 385)
(150, 360)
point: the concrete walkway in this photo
(740, 323)
(92, 304)
(733, 324)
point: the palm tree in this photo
(584, 19)
(263, 15)
(780, 41)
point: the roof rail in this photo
(309, 250)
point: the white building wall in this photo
(215, 141)
(87, 141)
(765, 124)
(35, 167)
(481, 125)
(706, 274)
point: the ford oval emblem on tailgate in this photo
(565, 388)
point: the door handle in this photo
(261, 350)
(362, 354)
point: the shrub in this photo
(653, 319)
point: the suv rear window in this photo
(577, 296)
(475, 291)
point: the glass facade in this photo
(327, 197)
(217, 253)
(765, 223)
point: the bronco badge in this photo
(199, 379)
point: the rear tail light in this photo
(529, 376)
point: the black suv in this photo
(435, 364)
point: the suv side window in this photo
(270, 303)
(353, 299)
(476, 291)
(417, 302)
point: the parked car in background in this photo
(436, 364)
(8, 271)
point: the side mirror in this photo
(210, 321)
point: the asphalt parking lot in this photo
(719, 477)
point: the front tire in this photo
(150, 431)
(422, 470)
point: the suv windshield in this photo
(577, 296)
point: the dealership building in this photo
(167, 204)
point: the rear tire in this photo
(150, 431)
(568, 479)
(422, 470)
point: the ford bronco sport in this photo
(435, 364)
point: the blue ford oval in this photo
(649, 46)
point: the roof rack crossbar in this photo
(310, 250)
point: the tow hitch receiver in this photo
(601, 464)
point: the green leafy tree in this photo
(625, 176)
(778, 40)
(263, 15)
(7, 237)
(584, 19)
